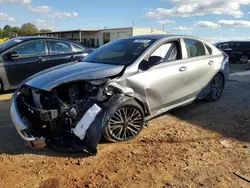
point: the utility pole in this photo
(163, 27)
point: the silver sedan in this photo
(116, 89)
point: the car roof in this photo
(39, 37)
(30, 38)
(233, 41)
(160, 36)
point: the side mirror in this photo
(12, 55)
(152, 61)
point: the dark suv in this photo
(238, 51)
(22, 57)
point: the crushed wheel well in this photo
(145, 110)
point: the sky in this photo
(213, 20)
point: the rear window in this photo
(58, 47)
(194, 48)
(209, 49)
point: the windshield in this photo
(8, 43)
(120, 52)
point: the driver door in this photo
(32, 58)
(165, 84)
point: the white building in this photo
(96, 38)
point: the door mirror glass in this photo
(10, 55)
(152, 61)
(13, 55)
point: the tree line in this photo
(27, 29)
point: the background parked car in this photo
(238, 51)
(22, 57)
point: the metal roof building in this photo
(97, 37)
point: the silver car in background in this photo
(115, 90)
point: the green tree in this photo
(28, 29)
(16, 29)
(45, 31)
(6, 31)
(1, 33)
(7, 28)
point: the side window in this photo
(77, 48)
(225, 46)
(219, 46)
(168, 51)
(32, 48)
(194, 48)
(58, 47)
(234, 45)
(209, 49)
(244, 45)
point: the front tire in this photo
(215, 88)
(126, 123)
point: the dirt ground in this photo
(200, 145)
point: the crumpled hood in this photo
(65, 73)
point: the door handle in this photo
(41, 59)
(211, 62)
(182, 69)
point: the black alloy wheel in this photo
(126, 123)
(216, 87)
(244, 59)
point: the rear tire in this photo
(244, 59)
(126, 123)
(215, 88)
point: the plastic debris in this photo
(83, 125)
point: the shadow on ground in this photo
(230, 116)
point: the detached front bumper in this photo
(22, 127)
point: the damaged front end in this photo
(70, 117)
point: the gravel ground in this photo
(200, 145)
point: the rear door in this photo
(32, 57)
(235, 51)
(241, 52)
(202, 65)
(61, 52)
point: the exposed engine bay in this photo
(55, 114)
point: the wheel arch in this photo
(223, 76)
(143, 106)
